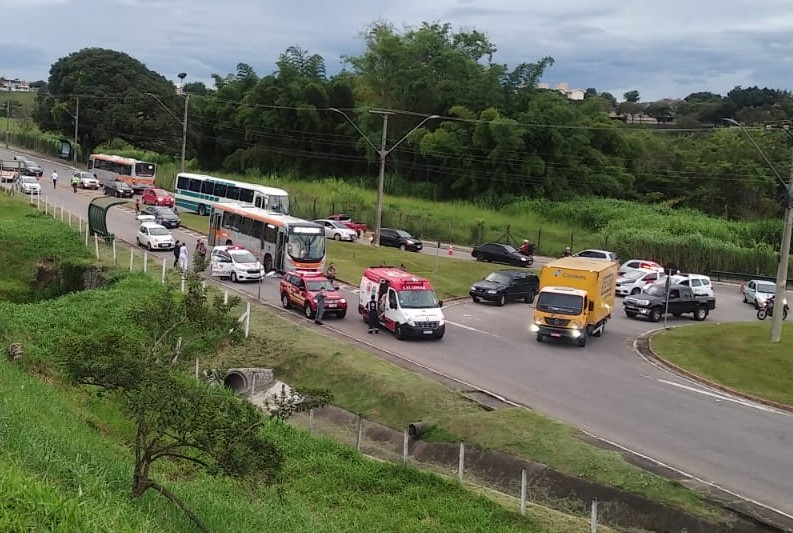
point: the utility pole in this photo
(76, 128)
(184, 129)
(784, 260)
(8, 116)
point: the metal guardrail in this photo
(721, 275)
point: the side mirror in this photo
(591, 306)
(440, 303)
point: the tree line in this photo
(498, 136)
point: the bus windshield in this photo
(144, 170)
(306, 246)
(564, 304)
(418, 299)
(279, 204)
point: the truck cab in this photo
(406, 303)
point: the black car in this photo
(503, 285)
(495, 252)
(164, 216)
(118, 189)
(396, 238)
(30, 168)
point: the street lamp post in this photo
(784, 252)
(183, 122)
(382, 152)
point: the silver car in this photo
(337, 230)
(756, 292)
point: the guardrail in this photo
(720, 275)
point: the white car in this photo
(634, 281)
(597, 254)
(639, 264)
(757, 291)
(700, 284)
(337, 230)
(235, 263)
(154, 237)
(87, 180)
(29, 185)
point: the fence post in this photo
(310, 421)
(539, 239)
(86, 235)
(360, 432)
(196, 367)
(131, 258)
(461, 462)
(253, 385)
(571, 241)
(79, 225)
(96, 245)
(145, 262)
(46, 207)
(405, 442)
(593, 519)
(61, 212)
(114, 252)
(225, 297)
(70, 220)
(182, 287)
(162, 277)
(523, 491)
(38, 202)
(247, 319)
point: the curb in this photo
(650, 353)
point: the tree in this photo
(176, 417)
(120, 98)
(632, 96)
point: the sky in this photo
(663, 49)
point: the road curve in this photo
(604, 389)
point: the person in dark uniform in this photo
(371, 315)
(320, 307)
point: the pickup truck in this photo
(347, 220)
(652, 303)
(10, 171)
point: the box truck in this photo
(576, 299)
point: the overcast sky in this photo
(663, 49)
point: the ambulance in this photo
(406, 304)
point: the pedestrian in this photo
(320, 306)
(201, 251)
(54, 177)
(371, 316)
(176, 250)
(330, 273)
(137, 206)
(183, 258)
(402, 267)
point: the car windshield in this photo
(86, 176)
(123, 185)
(163, 211)
(144, 170)
(243, 256)
(563, 304)
(306, 246)
(497, 277)
(404, 234)
(338, 225)
(417, 299)
(158, 231)
(160, 192)
(633, 275)
(766, 288)
(29, 180)
(316, 284)
(657, 289)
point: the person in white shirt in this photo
(54, 178)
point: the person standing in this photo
(320, 306)
(137, 206)
(177, 248)
(371, 315)
(201, 252)
(54, 177)
(183, 258)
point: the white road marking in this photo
(725, 397)
(469, 328)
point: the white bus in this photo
(138, 174)
(281, 242)
(198, 192)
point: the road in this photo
(605, 389)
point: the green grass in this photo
(23, 104)
(739, 356)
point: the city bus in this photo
(197, 192)
(139, 174)
(282, 242)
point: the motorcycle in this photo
(527, 251)
(768, 309)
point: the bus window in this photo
(144, 170)
(195, 185)
(232, 192)
(246, 196)
(90, 164)
(246, 226)
(208, 187)
(220, 190)
(258, 229)
(258, 202)
(270, 233)
(183, 183)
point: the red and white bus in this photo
(138, 174)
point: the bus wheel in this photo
(202, 210)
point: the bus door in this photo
(280, 250)
(214, 227)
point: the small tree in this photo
(175, 416)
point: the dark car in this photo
(118, 189)
(396, 238)
(30, 168)
(164, 216)
(495, 252)
(503, 285)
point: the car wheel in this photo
(600, 331)
(701, 313)
(540, 337)
(501, 300)
(118, 194)
(479, 257)
(137, 239)
(307, 311)
(630, 314)
(399, 332)
(582, 339)
(439, 336)
(635, 291)
(475, 299)
(234, 277)
(402, 247)
(655, 315)
(337, 237)
(285, 300)
(202, 210)
(529, 297)
(342, 314)
(149, 246)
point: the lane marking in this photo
(470, 328)
(722, 396)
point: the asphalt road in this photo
(605, 389)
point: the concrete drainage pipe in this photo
(236, 381)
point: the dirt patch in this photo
(56, 278)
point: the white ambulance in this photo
(406, 303)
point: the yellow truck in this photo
(576, 298)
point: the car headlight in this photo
(524, 259)
(575, 324)
(411, 322)
(491, 291)
(409, 242)
(441, 322)
(643, 302)
(538, 321)
(473, 288)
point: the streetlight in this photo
(784, 253)
(383, 153)
(183, 122)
